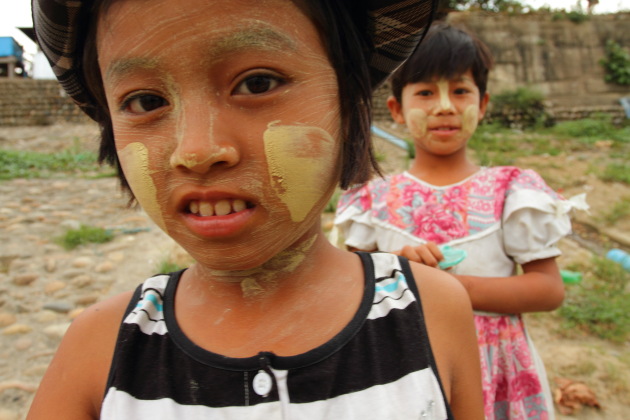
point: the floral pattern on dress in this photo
(442, 214)
(512, 386)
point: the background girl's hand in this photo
(427, 254)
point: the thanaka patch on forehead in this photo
(260, 35)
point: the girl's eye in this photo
(257, 84)
(461, 91)
(144, 103)
(424, 93)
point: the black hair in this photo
(346, 49)
(447, 51)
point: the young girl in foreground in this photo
(501, 216)
(233, 121)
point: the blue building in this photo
(11, 58)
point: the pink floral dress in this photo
(502, 216)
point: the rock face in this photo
(558, 57)
(552, 54)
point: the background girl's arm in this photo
(539, 288)
(74, 384)
(449, 321)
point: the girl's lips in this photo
(218, 226)
(444, 130)
(213, 214)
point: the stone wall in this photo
(36, 102)
(560, 58)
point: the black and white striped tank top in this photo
(380, 366)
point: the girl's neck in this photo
(442, 170)
(297, 309)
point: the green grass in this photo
(28, 164)
(84, 235)
(599, 304)
(616, 172)
(493, 144)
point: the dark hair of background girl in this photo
(447, 51)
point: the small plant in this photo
(84, 235)
(616, 63)
(599, 305)
(520, 108)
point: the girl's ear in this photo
(395, 108)
(483, 105)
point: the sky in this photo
(17, 13)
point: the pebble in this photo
(57, 330)
(46, 316)
(50, 264)
(104, 267)
(54, 286)
(17, 329)
(60, 307)
(6, 414)
(25, 279)
(86, 300)
(75, 313)
(82, 281)
(70, 224)
(82, 262)
(7, 319)
(23, 343)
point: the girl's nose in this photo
(204, 143)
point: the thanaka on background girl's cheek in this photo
(470, 119)
(417, 120)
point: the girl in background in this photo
(503, 218)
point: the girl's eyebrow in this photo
(118, 69)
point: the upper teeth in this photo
(219, 208)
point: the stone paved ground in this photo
(43, 287)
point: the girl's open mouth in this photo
(223, 207)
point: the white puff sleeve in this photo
(534, 220)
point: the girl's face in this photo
(226, 121)
(442, 114)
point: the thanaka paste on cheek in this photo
(470, 119)
(301, 163)
(134, 159)
(417, 122)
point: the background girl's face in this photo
(442, 114)
(226, 121)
